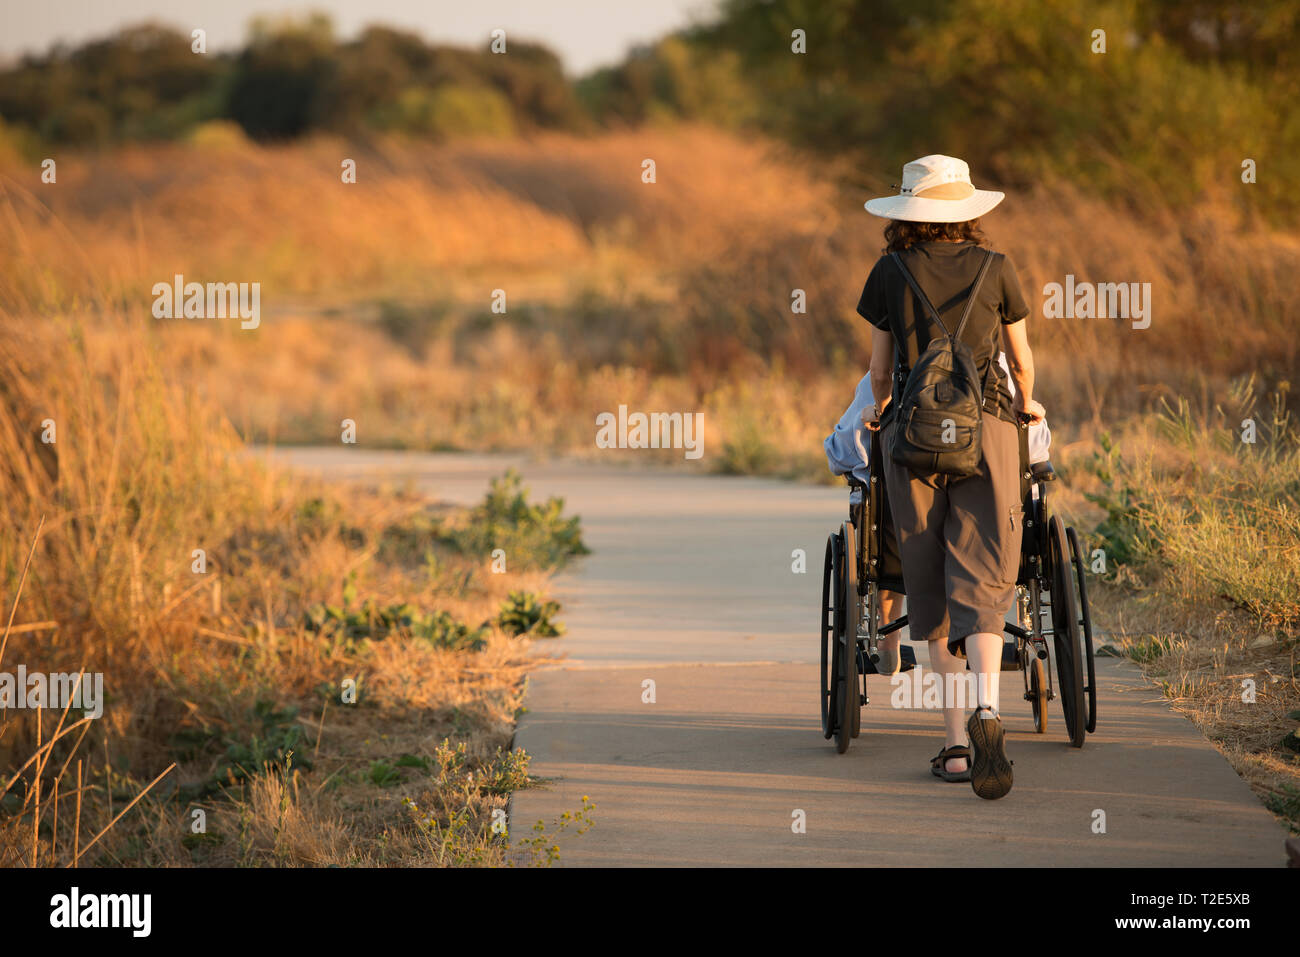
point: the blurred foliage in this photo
(282, 83)
(292, 76)
(673, 79)
(375, 622)
(531, 535)
(1185, 91)
(143, 81)
(525, 613)
(447, 111)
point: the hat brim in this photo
(918, 209)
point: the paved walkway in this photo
(690, 586)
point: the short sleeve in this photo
(872, 306)
(1012, 307)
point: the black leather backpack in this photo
(937, 419)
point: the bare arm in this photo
(1020, 360)
(882, 368)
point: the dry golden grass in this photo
(376, 307)
(376, 296)
(1208, 600)
(141, 472)
(1199, 655)
(542, 214)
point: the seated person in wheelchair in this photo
(847, 454)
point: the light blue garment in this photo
(1040, 436)
(845, 450)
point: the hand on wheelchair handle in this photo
(1028, 416)
(871, 417)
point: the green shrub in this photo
(383, 775)
(375, 622)
(1123, 534)
(524, 613)
(532, 536)
(274, 742)
(1224, 523)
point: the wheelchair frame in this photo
(1051, 602)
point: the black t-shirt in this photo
(946, 271)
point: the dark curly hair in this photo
(901, 234)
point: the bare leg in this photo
(945, 663)
(985, 653)
(891, 606)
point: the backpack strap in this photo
(900, 376)
(970, 302)
(974, 292)
(929, 306)
(920, 293)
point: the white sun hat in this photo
(936, 189)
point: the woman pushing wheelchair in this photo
(942, 308)
(847, 455)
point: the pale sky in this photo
(585, 33)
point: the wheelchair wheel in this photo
(828, 631)
(1038, 693)
(1085, 622)
(845, 702)
(1066, 637)
(852, 619)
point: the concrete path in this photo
(690, 585)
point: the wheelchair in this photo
(1051, 607)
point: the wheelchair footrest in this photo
(905, 652)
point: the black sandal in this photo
(938, 763)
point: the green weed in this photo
(531, 535)
(524, 613)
